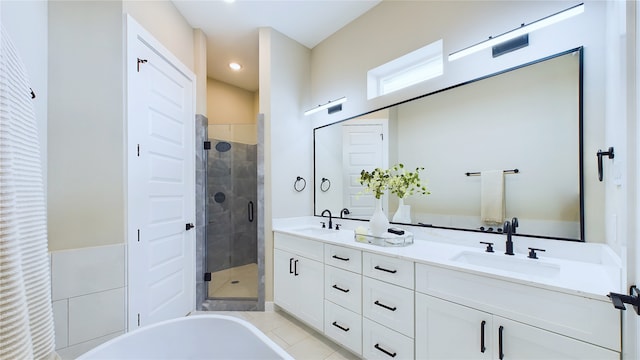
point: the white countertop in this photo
(582, 269)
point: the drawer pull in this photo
(482, 347)
(295, 268)
(385, 306)
(340, 258)
(500, 353)
(385, 270)
(335, 323)
(291, 266)
(341, 289)
(384, 351)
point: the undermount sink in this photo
(314, 231)
(503, 262)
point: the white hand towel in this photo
(492, 208)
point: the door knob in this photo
(189, 226)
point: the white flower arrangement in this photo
(396, 179)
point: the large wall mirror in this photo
(527, 118)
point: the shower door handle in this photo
(250, 211)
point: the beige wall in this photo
(284, 89)
(166, 24)
(86, 136)
(85, 132)
(228, 104)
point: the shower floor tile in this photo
(236, 282)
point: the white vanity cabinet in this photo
(467, 316)
(387, 307)
(298, 278)
(343, 296)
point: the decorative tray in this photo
(385, 240)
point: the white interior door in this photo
(363, 149)
(161, 187)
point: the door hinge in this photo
(207, 145)
(141, 61)
(207, 276)
(138, 319)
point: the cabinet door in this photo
(298, 287)
(519, 341)
(284, 290)
(445, 330)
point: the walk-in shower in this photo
(230, 255)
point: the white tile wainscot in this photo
(89, 297)
(552, 307)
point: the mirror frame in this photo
(580, 51)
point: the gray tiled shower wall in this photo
(231, 186)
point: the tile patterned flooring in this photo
(236, 282)
(299, 340)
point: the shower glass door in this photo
(232, 245)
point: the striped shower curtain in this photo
(26, 318)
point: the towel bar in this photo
(513, 171)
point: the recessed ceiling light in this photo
(235, 66)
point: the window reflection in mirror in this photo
(527, 118)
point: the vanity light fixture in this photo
(518, 32)
(332, 106)
(235, 66)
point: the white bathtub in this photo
(191, 337)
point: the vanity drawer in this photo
(300, 246)
(379, 342)
(593, 321)
(389, 305)
(344, 258)
(389, 269)
(343, 326)
(343, 287)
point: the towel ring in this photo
(322, 185)
(298, 180)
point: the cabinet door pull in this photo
(385, 306)
(339, 288)
(500, 353)
(340, 258)
(377, 346)
(385, 270)
(295, 268)
(335, 323)
(291, 266)
(482, 347)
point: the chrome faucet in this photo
(330, 217)
(344, 211)
(509, 228)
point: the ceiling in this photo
(232, 29)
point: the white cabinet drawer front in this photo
(385, 268)
(343, 287)
(593, 321)
(389, 305)
(379, 342)
(343, 326)
(300, 246)
(344, 258)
